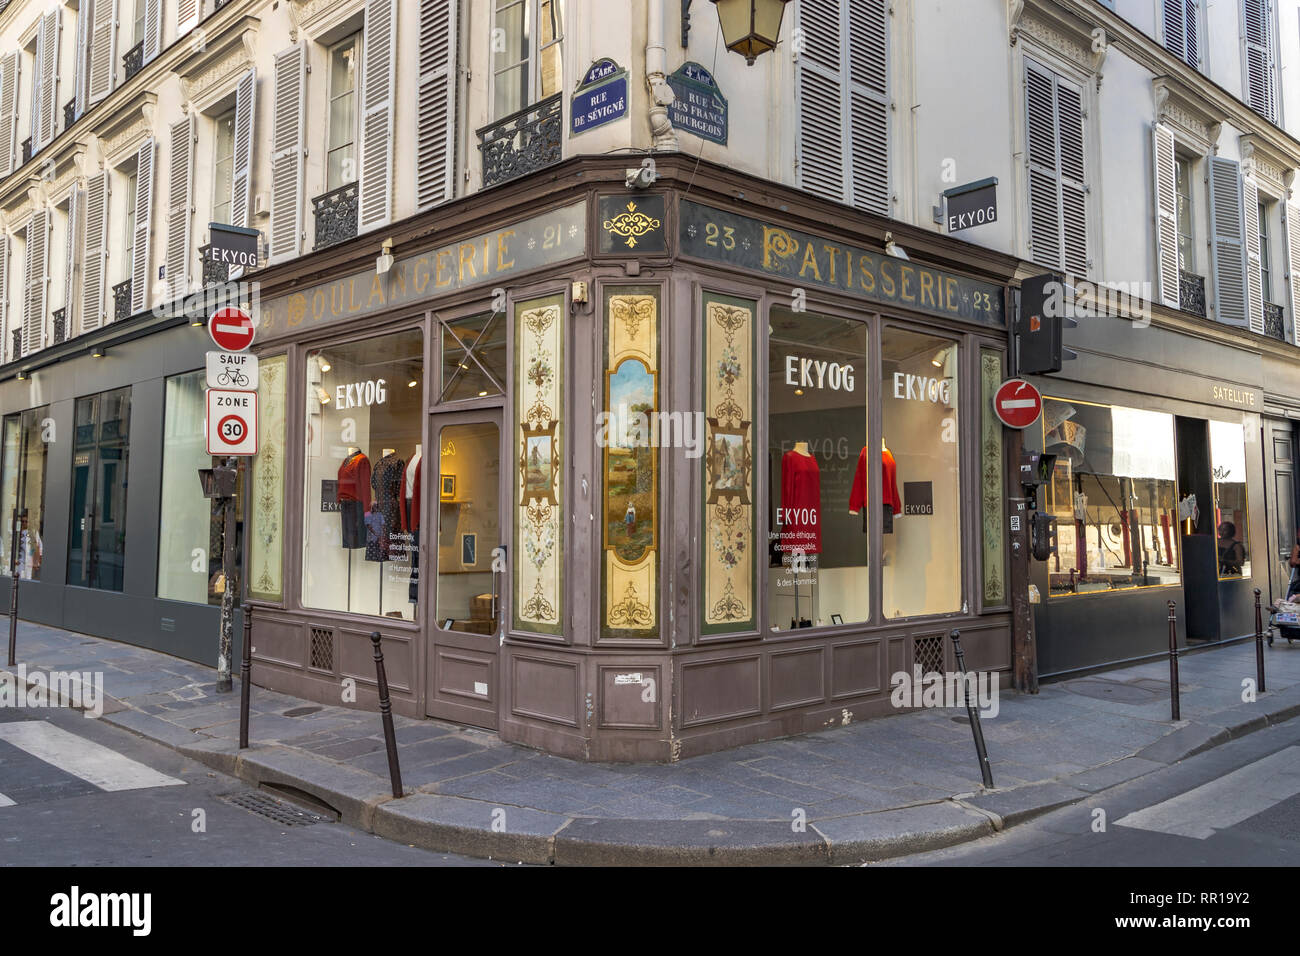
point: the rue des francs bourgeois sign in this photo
(494, 256)
(707, 233)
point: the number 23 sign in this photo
(232, 422)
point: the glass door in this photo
(467, 552)
(1279, 475)
(101, 446)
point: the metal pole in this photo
(1173, 664)
(226, 641)
(386, 712)
(972, 711)
(245, 676)
(13, 591)
(1259, 644)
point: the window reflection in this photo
(1228, 465)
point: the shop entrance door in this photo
(467, 554)
(1279, 478)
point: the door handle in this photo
(498, 569)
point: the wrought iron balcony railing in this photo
(122, 301)
(60, 325)
(1191, 293)
(133, 60)
(27, 151)
(1274, 322)
(522, 142)
(336, 215)
(69, 113)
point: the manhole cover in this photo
(267, 806)
(1141, 691)
(301, 711)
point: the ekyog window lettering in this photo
(363, 470)
(921, 475)
(1228, 463)
(1113, 495)
(22, 490)
(817, 467)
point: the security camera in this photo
(644, 177)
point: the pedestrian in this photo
(1294, 564)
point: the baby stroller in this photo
(1285, 614)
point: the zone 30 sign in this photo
(232, 422)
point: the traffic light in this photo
(1039, 324)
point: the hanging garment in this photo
(888, 489)
(387, 480)
(411, 495)
(353, 496)
(801, 504)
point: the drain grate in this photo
(267, 806)
(301, 711)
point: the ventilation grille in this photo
(927, 652)
(322, 649)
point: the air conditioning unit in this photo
(262, 204)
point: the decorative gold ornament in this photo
(630, 225)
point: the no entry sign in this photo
(232, 422)
(231, 329)
(1017, 403)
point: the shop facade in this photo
(604, 473)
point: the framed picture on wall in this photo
(468, 550)
(837, 619)
(448, 489)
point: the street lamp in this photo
(750, 27)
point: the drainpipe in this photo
(664, 137)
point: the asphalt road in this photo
(76, 791)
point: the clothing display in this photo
(387, 481)
(352, 515)
(411, 493)
(353, 497)
(376, 538)
(891, 502)
(801, 504)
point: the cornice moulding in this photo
(1190, 116)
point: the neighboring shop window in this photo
(629, 435)
(1113, 496)
(22, 489)
(469, 525)
(190, 537)
(1228, 463)
(101, 447)
(474, 357)
(818, 469)
(266, 500)
(992, 482)
(921, 547)
(728, 460)
(364, 420)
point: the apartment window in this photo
(224, 169)
(128, 229)
(341, 154)
(1183, 189)
(526, 53)
(1058, 204)
(137, 36)
(1265, 271)
(1182, 30)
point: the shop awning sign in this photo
(974, 204)
(231, 422)
(1017, 403)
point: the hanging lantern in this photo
(750, 27)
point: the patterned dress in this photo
(386, 478)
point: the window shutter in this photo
(46, 94)
(1166, 204)
(180, 188)
(819, 93)
(868, 108)
(72, 259)
(37, 278)
(152, 29)
(103, 49)
(241, 180)
(1227, 247)
(1256, 15)
(9, 67)
(436, 149)
(1044, 192)
(380, 46)
(93, 253)
(1176, 28)
(289, 108)
(140, 232)
(1292, 229)
(1254, 280)
(187, 16)
(5, 338)
(1074, 196)
(1193, 52)
(82, 56)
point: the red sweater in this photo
(801, 504)
(354, 480)
(888, 483)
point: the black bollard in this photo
(1259, 644)
(1173, 664)
(972, 712)
(386, 712)
(13, 591)
(245, 677)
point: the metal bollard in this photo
(245, 676)
(972, 712)
(1259, 644)
(13, 591)
(386, 712)
(1173, 664)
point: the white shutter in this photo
(1254, 280)
(436, 123)
(82, 57)
(152, 29)
(1166, 206)
(9, 73)
(94, 255)
(140, 234)
(379, 43)
(103, 49)
(1291, 228)
(1193, 52)
(868, 106)
(72, 260)
(5, 346)
(289, 108)
(1044, 179)
(37, 279)
(819, 94)
(45, 94)
(1176, 28)
(1074, 196)
(187, 16)
(180, 202)
(1258, 60)
(241, 180)
(1227, 247)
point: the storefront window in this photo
(474, 357)
(100, 453)
(1113, 495)
(266, 501)
(921, 544)
(1228, 462)
(818, 471)
(364, 422)
(190, 537)
(22, 489)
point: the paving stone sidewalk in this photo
(867, 790)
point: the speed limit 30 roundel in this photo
(1017, 403)
(232, 422)
(231, 329)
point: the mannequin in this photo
(890, 500)
(801, 447)
(410, 508)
